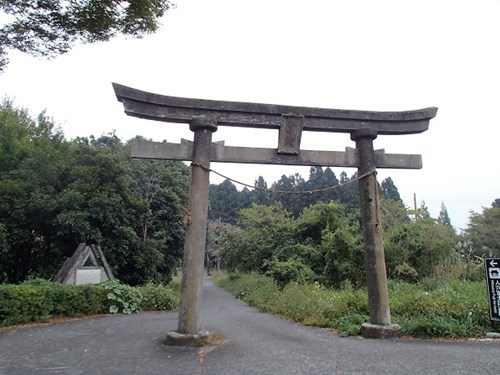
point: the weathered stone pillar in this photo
(376, 277)
(194, 247)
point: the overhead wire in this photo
(277, 191)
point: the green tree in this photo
(329, 242)
(51, 27)
(262, 233)
(286, 271)
(349, 193)
(344, 256)
(294, 203)
(96, 206)
(483, 231)
(260, 195)
(315, 177)
(216, 230)
(160, 190)
(318, 180)
(315, 229)
(318, 217)
(55, 194)
(389, 190)
(32, 172)
(315, 181)
(422, 244)
(330, 180)
(225, 202)
(393, 213)
(444, 218)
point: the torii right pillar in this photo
(380, 325)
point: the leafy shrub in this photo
(77, 300)
(122, 298)
(350, 325)
(344, 256)
(38, 282)
(287, 271)
(39, 300)
(425, 245)
(23, 304)
(158, 297)
(405, 272)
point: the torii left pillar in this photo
(188, 331)
(380, 325)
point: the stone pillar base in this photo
(187, 339)
(379, 331)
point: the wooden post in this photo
(376, 278)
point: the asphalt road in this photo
(251, 343)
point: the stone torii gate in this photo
(204, 116)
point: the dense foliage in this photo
(483, 231)
(51, 27)
(324, 244)
(416, 249)
(56, 194)
(317, 236)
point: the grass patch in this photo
(452, 309)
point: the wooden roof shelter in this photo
(76, 271)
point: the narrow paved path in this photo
(253, 343)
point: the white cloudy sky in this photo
(385, 55)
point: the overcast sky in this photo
(352, 54)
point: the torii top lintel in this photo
(183, 110)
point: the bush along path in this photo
(450, 310)
(40, 300)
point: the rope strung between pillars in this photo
(204, 167)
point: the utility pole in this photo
(415, 206)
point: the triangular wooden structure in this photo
(74, 270)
